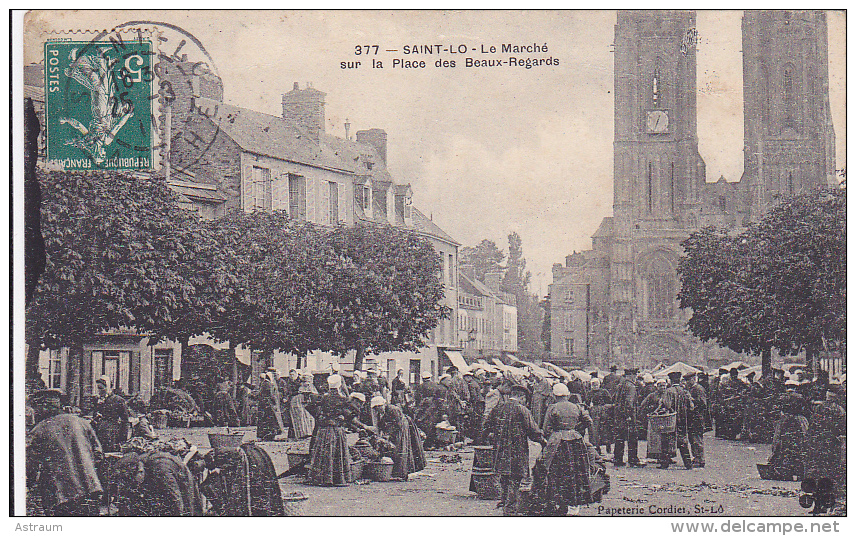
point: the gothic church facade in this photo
(616, 303)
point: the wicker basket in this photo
(159, 420)
(294, 504)
(356, 470)
(765, 472)
(446, 436)
(663, 423)
(225, 442)
(297, 458)
(487, 485)
(380, 472)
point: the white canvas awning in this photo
(680, 366)
(458, 360)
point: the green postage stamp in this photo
(98, 104)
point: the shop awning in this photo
(458, 360)
(680, 366)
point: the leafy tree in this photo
(386, 294)
(120, 253)
(276, 284)
(516, 281)
(780, 284)
(485, 258)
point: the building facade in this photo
(487, 318)
(224, 157)
(617, 303)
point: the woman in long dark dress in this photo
(329, 459)
(563, 474)
(403, 437)
(824, 455)
(786, 460)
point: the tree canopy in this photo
(779, 284)
(122, 254)
(485, 258)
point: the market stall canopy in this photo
(537, 370)
(748, 370)
(581, 375)
(558, 370)
(500, 365)
(739, 365)
(458, 360)
(680, 366)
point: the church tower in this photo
(658, 180)
(789, 142)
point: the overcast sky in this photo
(488, 151)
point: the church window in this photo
(650, 187)
(722, 203)
(672, 188)
(655, 88)
(791, 183)
(788, 91)
(569, 346)
(659, 284)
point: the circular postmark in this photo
(132, 97)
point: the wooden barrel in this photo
(482, 457)
(487, 485)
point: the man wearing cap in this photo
(459, 401)
(269, 416)
(510, 426)
(476, 407)
(110, 416)
(611, 380)
(649, 406)
(402, 437)
(62, 454)
(696, 424)
(600, 402)
(430, 401)
(786, 458)
(626, 424)
(676, 400)
(399, 389)
(223, 406)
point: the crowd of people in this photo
(578, 419)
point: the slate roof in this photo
(271, 135)
(425, 226)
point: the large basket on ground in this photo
(160, 419)
(765, 472)
(380, 471)
(294, 504)
(487, 485)
(230, 442)
(447, 437)
(483, 457)
(356, 470)
(663, 423)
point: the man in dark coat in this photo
(62, 454)
(476, 406)
(696, 423)
(611, 380)
(430, 400)
(626, 424)
(676, 400)
(460, 401)
(156, 484)
(510, 426)
(223, 406)
(111, 416)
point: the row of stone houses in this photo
(225, 157)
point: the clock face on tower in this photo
(657, 121)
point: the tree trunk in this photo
(358, 359)
(31, 370)
(234, 358)
(766, 362)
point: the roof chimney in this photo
(305, 108)
(375, 137)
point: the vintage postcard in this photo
(433, 263)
